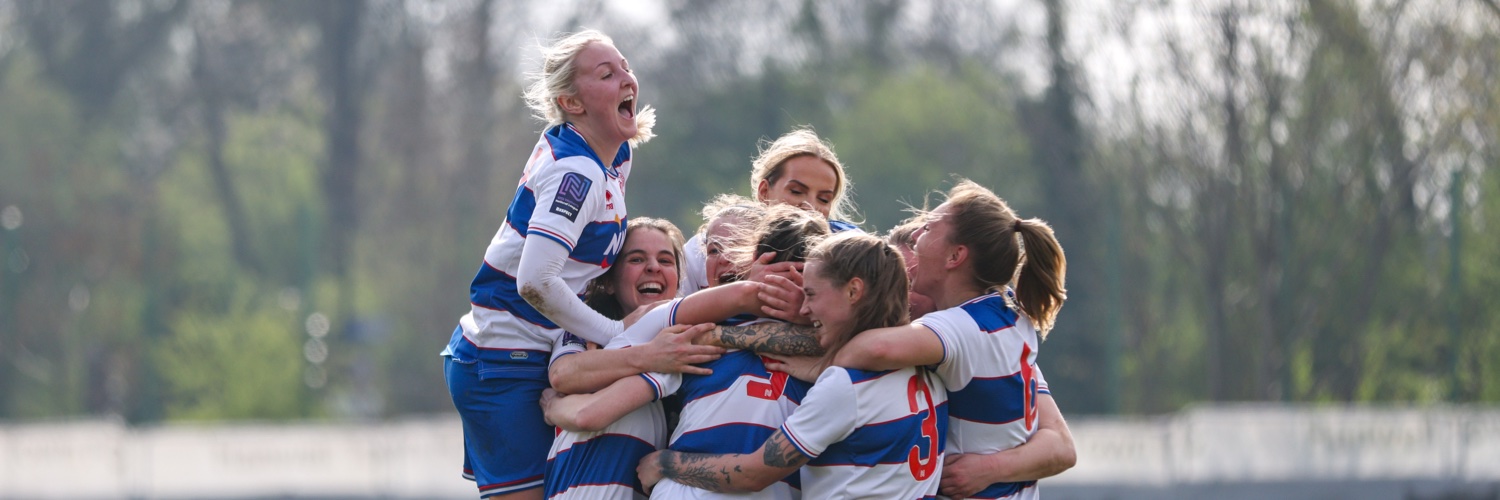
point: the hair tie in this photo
(1017, 226)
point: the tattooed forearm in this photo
(730, 472)
(771, 338)
(695, 469)
(781, 453)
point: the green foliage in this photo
(705, 141)
(1397, 369)
(1478, 346)
(242, 363)
(909, 133)
(75, 248)
(273, 159)
(233, 350)
(1307, 266)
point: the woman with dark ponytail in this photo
(982, 340)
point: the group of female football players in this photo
(780, 352)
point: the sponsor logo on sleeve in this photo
(570, 195)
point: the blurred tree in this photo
(1272, 200)
(339, 23)
(90, 48)
(899, 150)
(62, 222)
(240, 364)
(220, 315)
(451, 145)
(707, 140)
(1281, 219)
(1077, 357)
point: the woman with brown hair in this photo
(982, 340)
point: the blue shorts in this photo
(505, 438)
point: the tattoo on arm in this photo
(781, 453)
(717, 472)
(772, 338)
(695, 469)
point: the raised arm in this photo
(1049, 452)
(725, 473)
(672, 351)
(891, 348)
(592, 412)
(542, 286)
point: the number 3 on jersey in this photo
(764, 390)
(923, 464)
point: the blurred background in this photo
(269, 211)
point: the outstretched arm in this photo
(672, 351)
(891, 348)
(1049, 452)
(720, 303)
(779, 338)
(592, 412)
(725, 473)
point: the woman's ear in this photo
(570, 104)
(856, 289)
(763, 191)
(957, 256)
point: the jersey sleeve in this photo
(950, 329)
(565, 344)
(827, 415)
(568, 195)
(1041, 382)
(540, 268)
(645, 330)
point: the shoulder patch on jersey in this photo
(571, 192)
(570, 339)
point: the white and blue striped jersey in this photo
(600, 465)
(733, 410)
(871, 434)
(565, 195)
(989, 367)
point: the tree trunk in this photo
(1395, 203)
(340, 23)
(208, 80)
